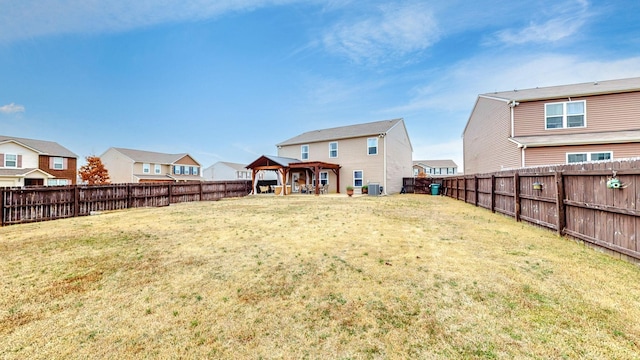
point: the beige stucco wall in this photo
(119, 166)
(485, 139)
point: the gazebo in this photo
(285, 167)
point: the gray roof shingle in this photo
(44, 147)
(150, 156)
(342, 132)
(436, 163)
(573, 90)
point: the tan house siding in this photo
(603, 113)
(558, 154)
(119, 166)
(485, 139)
(399, 158)
(187, 160)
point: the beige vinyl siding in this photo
(485, 139)
(603, 113)
(120, 167)
(399, 158)
(352, 155)
(558, 154)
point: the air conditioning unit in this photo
(374, 189)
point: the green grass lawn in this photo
(396, 277)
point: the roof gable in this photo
(269, 160)
(40, 146)
(343, 132)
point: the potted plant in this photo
(350, 190)
(365, 189)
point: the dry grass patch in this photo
(311, 277)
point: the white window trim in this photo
(146, 168)
(564, 115)
(377, 146)
(589, 154)
(157, 169)
(58, 161)
(333, 142)
(302, 152)
(326, 173)
(361, 178)
(5, 161)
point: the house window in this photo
(324, 178)
(194, 170)
(589, 156)
(565, 114)
(333, 150)
(146, 168)
(157, 169)
(58, 163)
(304, 152)
(57, 182)
(357, 177)
(416, 172)
(177, 170)
(372, 146)
(10, 160)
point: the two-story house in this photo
(138, 166)
(553, 125)
(29, 162)
(223, 170)
(434, 167)
(371, 153)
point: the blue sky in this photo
(227, 80)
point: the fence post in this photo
(562, 219)
(170, 187)
(516, 195)
(76, 201)
(475, 188)
(493, 193)
(464, 189)
(2, 200)
(129, 197)
(200, 190)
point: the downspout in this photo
(524, 147)
(512, 104)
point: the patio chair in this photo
(324, 189)
(264, 189)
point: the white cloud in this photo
(31, 18)
(11, 109)
(391, 32)
(561, 21)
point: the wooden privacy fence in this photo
(573, 200)
(418, 185)
(49, 203)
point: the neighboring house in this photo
(434, 167)
(223, 170)
(372, 153)
(29, 162)
(553, 125)
(138, 166)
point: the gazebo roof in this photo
(272, 161)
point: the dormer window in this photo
(565, 115)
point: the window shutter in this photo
(1, 160)
(50, 163)
(65, 163)
(19, 161)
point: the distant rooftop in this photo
(44, 147)
(343, 132)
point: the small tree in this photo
(94, 172)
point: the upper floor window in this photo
(177, 169)
(588, 156)
(146, 168)
(194, 170)
(157, 169)
(372, 146)
(333, 150)
(10, 160)
(58, 163)
(304, 152)
(565, 114)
